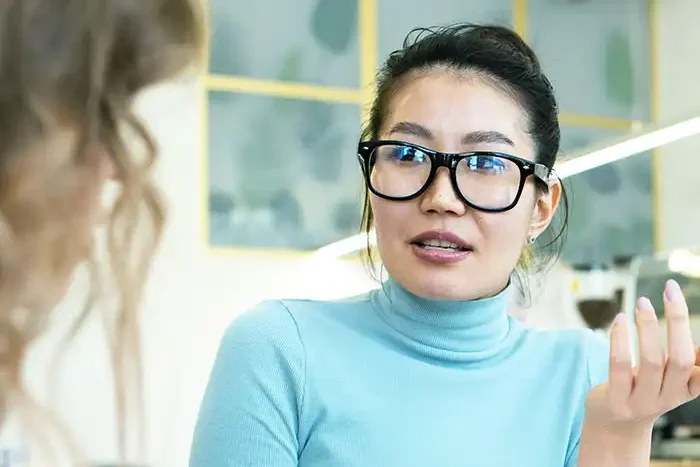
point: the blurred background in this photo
(258, 164)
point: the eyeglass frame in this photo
(438, 159)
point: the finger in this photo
(620, 379)
(647, 384)
(681, 351)
(694, 383)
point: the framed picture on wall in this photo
(282, 172)
(288, 84)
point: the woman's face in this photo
(454, 113)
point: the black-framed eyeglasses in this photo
(485, 180)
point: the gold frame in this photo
(369, 60)
(653, 18)
(520, 18)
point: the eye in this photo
(488, 163)
(400, 154)
(406, 154)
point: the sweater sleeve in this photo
(250, 412)
(597, 351)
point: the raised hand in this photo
(622, 411)
(661, 382)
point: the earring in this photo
(531, 239)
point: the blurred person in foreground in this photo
(69, 72)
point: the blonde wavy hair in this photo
(77, 65)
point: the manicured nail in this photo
(644, 304)
(673, 291)
(620, 319)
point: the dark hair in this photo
(500, 54)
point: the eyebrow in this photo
(471, 138)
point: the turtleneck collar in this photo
(449, 330)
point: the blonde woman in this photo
(69, 71)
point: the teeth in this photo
(441, 244)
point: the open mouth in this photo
(440, 245)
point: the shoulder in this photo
(583, 348)
(259, 340)
(268, 322)
(285, 323)
(302, 309)
(597, 349)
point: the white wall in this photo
(678, 67)
(679, 97)
(192, 297)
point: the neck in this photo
(459, 331)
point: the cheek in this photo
(505, 234)
(390, 219)
(382, 219)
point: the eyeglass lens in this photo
(485, 180)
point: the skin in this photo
(57, 201)
(447, 112)
(620, 414)
(437, 110)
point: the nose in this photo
(440, 197)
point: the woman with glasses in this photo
(430, 370)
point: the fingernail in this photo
(620, 319)
(644, 304)
(673, 291)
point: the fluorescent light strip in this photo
(630, 146)
(347, 245)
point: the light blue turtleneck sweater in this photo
(390, 379)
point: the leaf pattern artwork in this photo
(291, 66)
(579, 202)
(334, 24)
(570, 2)
(640, 171)
(504, 18)
(619, 71)
(225, 55)
(322, 141)
(346, 217)
(605, 180)
(287, 210)
(220, 202)
(271, 150)
(574, 143)
(260, 161)
(290, 70)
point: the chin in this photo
(437, 285)
(455, 282)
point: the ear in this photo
(545, 208)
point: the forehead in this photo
(451, 104)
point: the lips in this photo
(441, 240)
